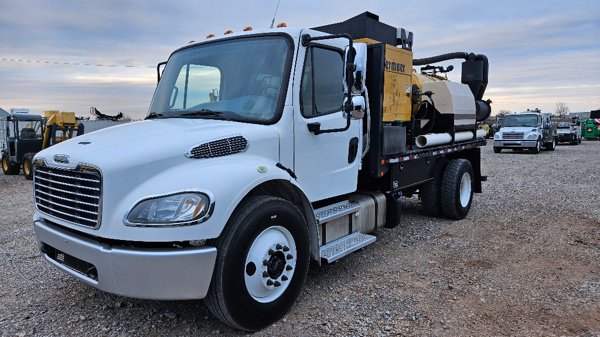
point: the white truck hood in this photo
(152, 141)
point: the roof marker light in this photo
(210, 35)
(192, 41)
(247, 29)
(281, 25)
(228, 32)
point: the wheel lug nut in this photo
(269, 282)
(286, 248)
(265, 274)
(288, 268)
(265, 262)
(278, 247)
(271, 252)
(284, 278)
(289, 256)
(277, 284)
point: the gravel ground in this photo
(525, 262)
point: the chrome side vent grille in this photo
(218, 147)
(69, 195)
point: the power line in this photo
(74, 63)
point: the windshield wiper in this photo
(153, 115)
(206, 113)
(203, 112)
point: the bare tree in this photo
(562, 110)
(504, 112)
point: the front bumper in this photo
(515, 143)
(148, 273)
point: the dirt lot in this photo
(525, 262)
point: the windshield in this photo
(520, 120)
(241, 80)
(30, 130)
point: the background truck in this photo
(25, 134)
(529, 130)
(569, 132)
(262, 151)
(591, 128)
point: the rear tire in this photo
(430, 193)
(457, 189)
(551, 145)
(28, 165)
(9, 167)
(262, 262)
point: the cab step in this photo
(345, 245)
(336, 210)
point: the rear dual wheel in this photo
(457, 189)
(263, 258)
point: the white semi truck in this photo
(262, 150)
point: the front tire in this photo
(537, 148)
(28, 165)
(497, 149)
(457, 189)
(262, 262)
(9, 167)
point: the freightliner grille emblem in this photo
(61, 158)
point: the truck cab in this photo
(530, 130)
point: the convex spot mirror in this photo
(358, 111)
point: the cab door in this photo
(326, 164)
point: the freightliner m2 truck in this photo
(261, 151)
(530, 130)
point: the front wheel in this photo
(262, 262)
(28, 165)
(537, 148)
(497, 149)
(457, 189)
(9, 167)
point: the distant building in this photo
(3, 113)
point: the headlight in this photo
(532, 136)
(497, 135)
(180, 209)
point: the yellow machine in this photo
(60, 126)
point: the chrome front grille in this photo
(218, 147)
(69, 195)
(512, 135)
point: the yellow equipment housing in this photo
(397, 82)
(65, 127)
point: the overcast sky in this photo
(70, 55)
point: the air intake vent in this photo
(218, 147)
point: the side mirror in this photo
(356, 61)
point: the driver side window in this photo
(322, 90)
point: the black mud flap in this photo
(394, 210)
